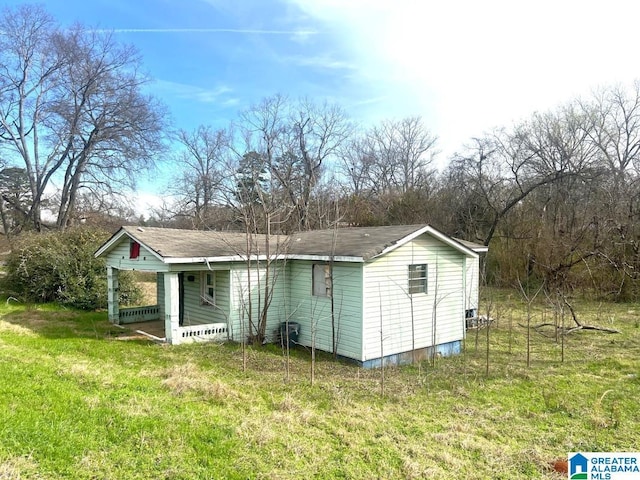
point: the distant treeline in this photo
(555, 196)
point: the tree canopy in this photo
(72, 111)
(555, 195)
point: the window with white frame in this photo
(418, 278)
(208, 288)
(321, 280)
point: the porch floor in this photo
(153, 329)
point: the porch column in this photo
(113, 288)
(171, 308)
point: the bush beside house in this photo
(61, 267)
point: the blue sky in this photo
(465, 66)
(210, 59)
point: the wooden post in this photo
(171, 308)
(113, 306)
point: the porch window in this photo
(418, 278)
(321, 280)
(208, 288)
(134, 250)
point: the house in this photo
(392, 293)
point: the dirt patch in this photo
(155, 328)
(133, 336)
(129, 332)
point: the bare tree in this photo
(256, 208)
(614, 113)
(506, 167)
(31, 67)
(357, 165)
(317, 132)
(615, 116)
(389, 170)
(256, 201)
(295, 140)
(72, 110)
(263, 139)
(203, 163)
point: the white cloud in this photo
(218, 94)
(146, 202)
(243, 31)
(468, 66)
(321, 62)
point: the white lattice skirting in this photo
(139, 314)
(203, 333)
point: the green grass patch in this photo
(76, 402)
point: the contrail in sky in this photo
(206, 30)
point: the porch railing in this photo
(139, 314)
(203, 333)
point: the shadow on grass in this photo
(53, 321)
(57, 322)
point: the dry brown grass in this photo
(188, 379)
(15, 328)
(32, 319)
(85, 372)
(141, 407)
(149, 293)
(17, 468)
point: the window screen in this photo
(208, 288)
(321, 280)
(418, 278)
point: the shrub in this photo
(61, 267)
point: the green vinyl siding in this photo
(195, 311)
(372, 300)
(314, 312)
(118, 258)
(404, 321)
(248, 288)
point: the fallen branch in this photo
(594, 327)
(573, 312)
(538, 328)
(567, 331)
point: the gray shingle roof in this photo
(361, 242)
(177, 243)
(364, 242)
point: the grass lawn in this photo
(77, 402)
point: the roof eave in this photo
(433, 232)
(241, 258)
(106, 246)
(217, 259)
(327, 258)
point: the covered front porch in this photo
(189, 307)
